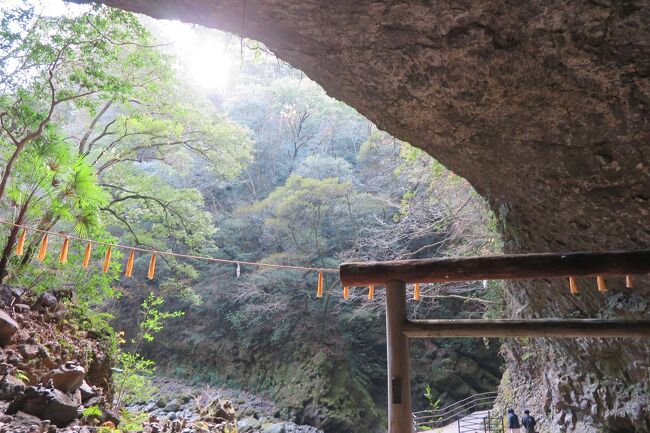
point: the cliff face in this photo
(543, 107)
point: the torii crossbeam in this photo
(396, 274)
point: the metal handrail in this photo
(463, 408)
(487, 422)
(467, 399)
(447, 413)
(454, 411)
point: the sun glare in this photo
(207, 68)
(202, 54)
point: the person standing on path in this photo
(513, 422)
(528, 422)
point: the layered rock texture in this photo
(543, 107)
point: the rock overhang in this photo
(542, 106)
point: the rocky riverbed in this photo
(53, 379)
(176, 400)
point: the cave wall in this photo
(543, 107)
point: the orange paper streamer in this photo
(416, 292)
(129, 265)
(346, 292)
(107, 260)
(42, 250)
(319, 287)
(601, 284)
(573, 286)
(21, 243)
(63, 256)
(86, 260)
(371, 292)
(152, 267)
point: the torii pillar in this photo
(400, 419)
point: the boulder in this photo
(87, 392)
(223, 410)
(10, 386)
(248, 424)
(44, 403)
(67, 378)
(275, 428)
(9, 294)
(8, 327)
(173, 406)
(21, 418)
(28, 351)
(95, 401)
(48, 300)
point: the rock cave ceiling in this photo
(542, 106)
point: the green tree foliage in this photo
(292, 118)
(93, 89)
(57, 63)
(310, 217)
(50, 179)
(132, 382)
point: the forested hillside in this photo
(324, 186)
(104, 136)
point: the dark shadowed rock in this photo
(8, 327)
(87, 392)
(110, 416)
(52, 404)
(9, 294)
(48, 300)
(10, 386)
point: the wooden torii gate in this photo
(396, 274)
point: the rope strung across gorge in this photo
(63, 258)
(171, 253)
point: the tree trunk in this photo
(13, 235)
(10, 165)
